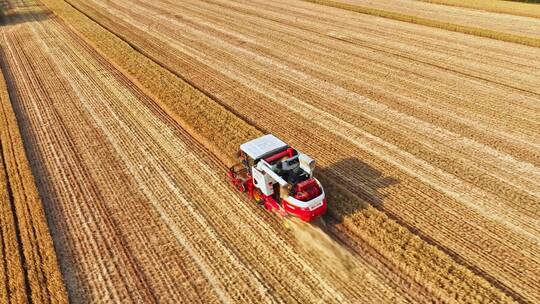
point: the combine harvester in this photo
(279, 178)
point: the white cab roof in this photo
(258, 147)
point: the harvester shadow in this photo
(360, 179)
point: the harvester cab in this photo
(278, 177)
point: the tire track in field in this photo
(112, 191)
(16, 275)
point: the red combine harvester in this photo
(278, 177)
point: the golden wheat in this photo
(481, 32)
(496, 6)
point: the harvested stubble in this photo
(191, 108)
(263, 74)
(31, 272)
(180, 240)
(471, 30)
(496, 6)
(12, 277)
(223, 131)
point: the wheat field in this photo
(131, 111)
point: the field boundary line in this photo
(182, 102)
(465, 29)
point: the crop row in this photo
(496, 6)
(221, 132)
(471, 30)
(31, 272)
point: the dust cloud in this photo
(314, 239)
